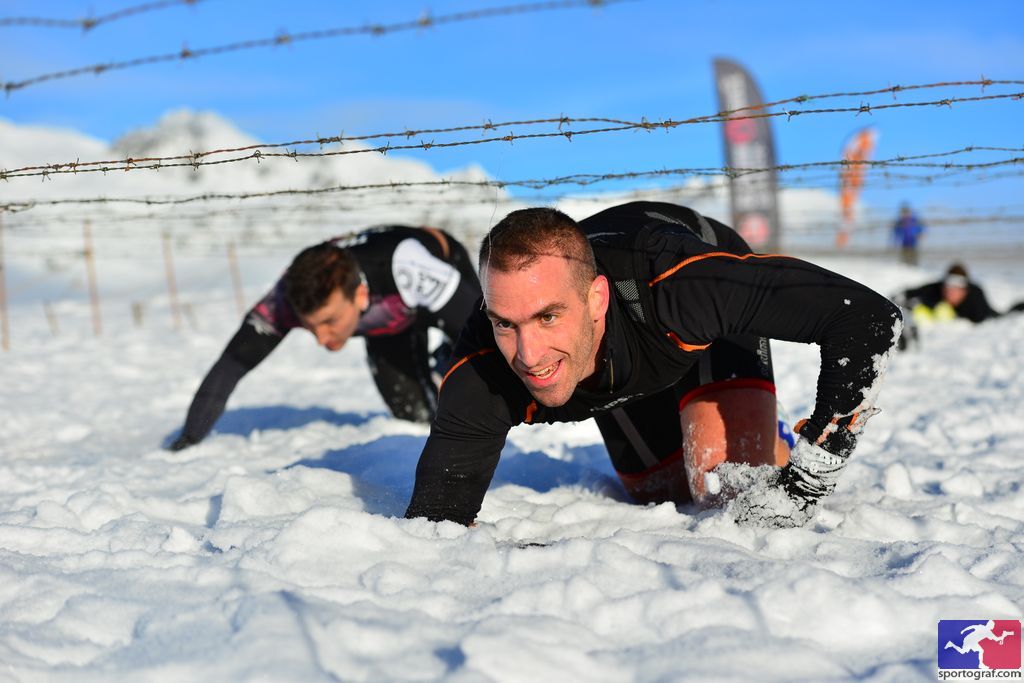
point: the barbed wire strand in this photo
(580, 179)
(488, 125)
(114, 228)
(209, 244)
(423, 22)
(196, 159)
(134, 164)
(89, 23)
(438, 197)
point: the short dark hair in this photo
(316, 272)
(957, 268)
(525, 235)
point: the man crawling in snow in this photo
(655, 321)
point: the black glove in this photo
(790, 496)
(819, 456)
(183, 442)
(811, 474)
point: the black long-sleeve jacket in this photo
(412, 274)
(678, 282)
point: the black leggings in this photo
(401, 369)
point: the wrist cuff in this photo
(839, 436)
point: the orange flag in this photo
(858, 148)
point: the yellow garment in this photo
(922, 314)
(942, 312)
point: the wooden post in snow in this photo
(90, 269)
(51, 318)
(172, 287)
(236, 278)
(137, 313)
(5, 332)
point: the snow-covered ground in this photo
(276, 551)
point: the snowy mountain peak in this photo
(182, 131)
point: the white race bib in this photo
(423, 280)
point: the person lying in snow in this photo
(954, 296)
(388, 284)
(655, 321)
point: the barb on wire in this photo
(130, 164)
(323, 34)
(230, 220)
(579, 179)
(437, 194)
(257, 153)
(89, 23)
(207, 237)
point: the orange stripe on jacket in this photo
(462, 360)
(439, 236)
(701, 257)
(683, 345)
(530, 410)
(835, 421)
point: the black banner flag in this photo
(748, 144)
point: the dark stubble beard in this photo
(579, 360)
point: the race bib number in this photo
(423, 280)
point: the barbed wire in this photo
(89, 23)
(197, 159)
(878, 215)
(439, 197)
(434, 197)
(935, 221)
(207, 245)
(416, 194)
(272, 211)
(431, 198)
(898, 161)
(579, 179)
(423, 22)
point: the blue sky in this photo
(647, 58)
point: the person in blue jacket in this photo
(906, 234)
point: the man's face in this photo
(953, 294)
(333, 323)
(547, 330)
